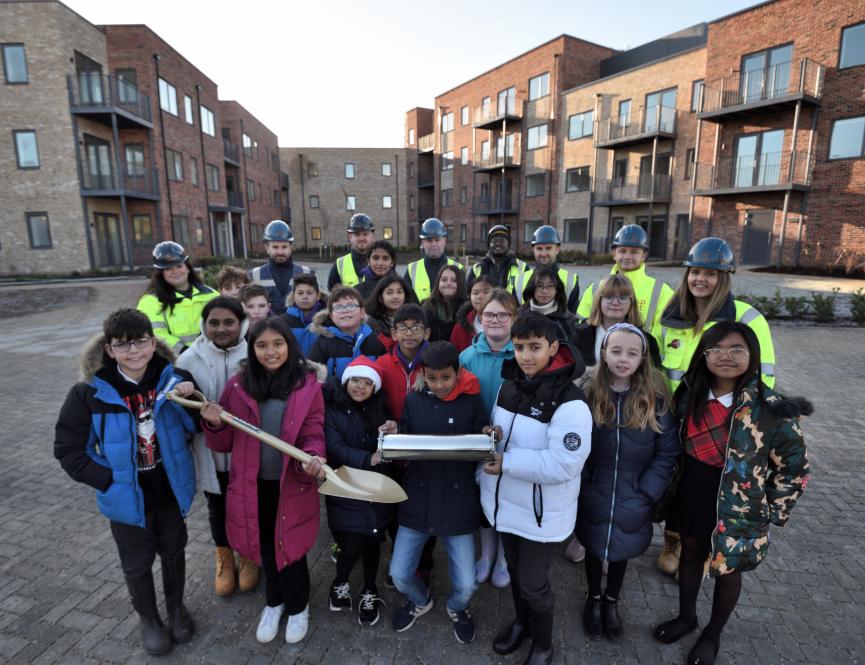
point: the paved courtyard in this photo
(62, 597)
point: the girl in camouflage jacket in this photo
(744, 466)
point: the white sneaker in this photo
(268, 624)
(297, 626)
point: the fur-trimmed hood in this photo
(788, 407)
(93, 359)
(322, 298)
(323, 326)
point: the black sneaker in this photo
(464, 625)
(367, 611)
(340, 597)
(405, 616)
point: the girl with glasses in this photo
(545, 293)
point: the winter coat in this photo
(351, 441)
(480, 360)
(442, 496)
(298, 510)
(440, 329)
(96, 437)
(264, 275)
(547, 436)
(464, 330)
(381, 328)
(396, 380)
(566, 323)
(368, 281)
(300, 321)
(177, 327)
(585, 337)
(627, 471)
(211, 367)
(505, 272)
(765, 473)
(336, 349)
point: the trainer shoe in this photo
(340, 597)
(268, 624)
(464, 625)
(367, 612)
(297, 626)
(405, 616)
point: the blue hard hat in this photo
(168, 254)
(546, 235)
(433, 228)
(279, 231)
(631, 236)
(711, 253)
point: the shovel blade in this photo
(350, 483)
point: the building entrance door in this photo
(109, 241)
(757, 240)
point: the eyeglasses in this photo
(501, 317)
(362, 381)
(351, 307)
(545, 287)
(609, 300)
(415, 329)
(736, 354)
(140, 343)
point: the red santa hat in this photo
(365, 368)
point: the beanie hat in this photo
(365, 368)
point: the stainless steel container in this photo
(461, 448)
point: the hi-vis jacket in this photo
(179, 327)
(653, 295)
(420, 281)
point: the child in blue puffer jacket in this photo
(302, 304)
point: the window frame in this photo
(447, 161)
(315, 233)
(250, 189)
(546, 134)
(312, 169)
(411, 135)
(351, 202)
(346, 169)
(143, 242)
(28, 216)
(578, 221)
(465, 116)
(690, 155)
(861, 24)
(169, 88)
(204, 118)
(172, 164)
(464, 155)
(529, 228)
(314, 198)
(38, 165)
(176, 221)
(447, 122)
(136, 149)
(574, 170)
(583, 114)
(208, 169)
(386, 170)
(832, 132)
(533, 177)
(540, 77)
(386, 201)
(695, 93)
(446, 198)
(23, 48)
(188, 110)
(193, 172)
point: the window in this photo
(620, 171)
(464, 195)
(758, 159)
(848, 138)
(689, 163)
(313, 201)
(315, 233)
(447, 198)
(535, 185)
(852, 46)
(248, 150)
(26, 148)
(411, 135)
(212, 178)
(464, 155)
(660, 111)
(485, 151)
(193, 171)
(537, 137)
(180, 226)
(411, 201)
(312, 169)
(765, 74)
(385, 169)
(485, 191)
(38, 230)
(250, 189)
(15, 65)
(142, 230)
(580, 125)
(529, 229)
(539, 86)
(624, 113)
(576, 230)
(411, 170)
(387, 233)
(505, 147)
(127, 86)
(447, 122)
(696, 89)
(175, 164)
(167, 97)
(134, 154)
(464, 116)
(387, 201)
(187, 109)
(208, 125)
(506, 102)
(350, 202)
(578, 179)
(485, 106)
(349, 170)
(447, 160)
(463, 232)
(274, 161)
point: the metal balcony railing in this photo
(636, 127)
(646, 188)
(774, 171)
(507, 109)
(495, 161)
(104, 180)
(235, 199)
(427, 143)
(92, 92)
(231, 151)
(499, 203)
(801, 78)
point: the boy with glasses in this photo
(401, 366)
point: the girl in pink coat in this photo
(272, 512)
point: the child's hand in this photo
(184, 388)
(389, 427)
(314, 467)
(494, 466)
(210, 413)
(375, 459)
(497, 429)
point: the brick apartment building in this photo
(329, 185)
(117, 143)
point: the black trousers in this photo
(164, 533)
(216, 510)
(529, 568)
(354, 546)
(615, 576)
(291, 584)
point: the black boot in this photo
(542, 638)
(173, 581)
(610, 618)
(154, 635)
(509, 638)
(592, 617)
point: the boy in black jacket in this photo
(442, 496)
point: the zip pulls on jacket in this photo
(499, 479)
(615, 472)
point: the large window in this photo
(212, 177)
(696, 89)
(349, 170)
(485, 150)
(175, 164)
(660, 111)
(350, 202)
(15, 63)
(507, 101)
(539, 86)
(208, 124)
(187, 109)
(447, 160)
(180, 225)
(167, 97)
(447, 122)
(766, 74)
(580, 125)
(26, 148)
(38, 230)
(134, 154)
(529, 229)
(848, 138)
(535, 185)
(127, 86)
(537, 137)
(852, 46)
(578, 179)
(624, 113)
(142, 230)
(758, 159)
(576, 230)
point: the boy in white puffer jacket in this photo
(529, 491)
(214, 357)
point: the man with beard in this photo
(500, 262)
(346, 269)
(278, 273)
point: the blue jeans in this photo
(461, 567)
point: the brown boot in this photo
(668, 561)
(224, 583)
(249, 575)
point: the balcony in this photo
(646, 189)
(99, 97)
(496, 163)
(491, 117)
(426, 143)
(98, 180)
(235, 200)
(620, 131)
(231, 152)
(761, 91)
(502, 203)
(768, 172)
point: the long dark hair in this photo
(167, 294)
(698, 378)
(546, 271)
(374, 307)
(444, 309)
(224, 302)
(261, 384)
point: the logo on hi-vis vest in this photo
(572, 441)
(675, 344)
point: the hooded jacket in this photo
(442, 496)
(96, 436)
(211, 367)
(566, 323)
(480, 360)
(397, 380)
(300, 321)
(336, 349)
(547, 437)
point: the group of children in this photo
(593, 452)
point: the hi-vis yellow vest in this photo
(345, 268)
(570, 279)
(653, 295)
(178, 327)
(420, 281)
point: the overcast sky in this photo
(342, 73)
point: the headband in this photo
(627, 327)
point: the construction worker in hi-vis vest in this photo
(546, 244)
(278, 273)
(420, 274)
(346, 269)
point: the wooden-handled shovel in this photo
(345, 482)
